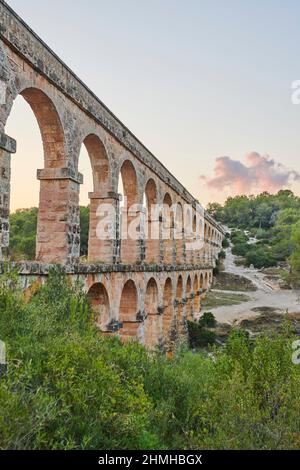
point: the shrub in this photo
(67, 387)
(225, 242)
(208, 319)
(260, 258)
(199, 336)
(241, 249)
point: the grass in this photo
(222, 299)
(233, 282)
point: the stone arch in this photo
(188, 234)
(196, 304)
(179, 233)
(100, 248)
(130, 214)
(180, 320)
(179, 288)
(128, 310)
(197, 229)
(152, 232)
(151, 297)
(206, 280)
(99, 300)
(168, 308)
(201, 281)
(50, 126)
(99, 163)
(152, 325)
(128, 176)
(151, 193)
(58, 223)
(167, 229)
(188, 291)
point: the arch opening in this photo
(94, 165)
(179, 233)
(99, 300)
(152, 324)
(152, 225)
(45, 149)
(180, 321)
(196, 304)
(151, 298)
(129, 214)
(168, 308)
(128, 310)
(168, 229)
(188, 291)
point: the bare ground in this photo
(268, 297)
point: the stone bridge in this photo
(144, 286)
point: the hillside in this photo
(265, 230)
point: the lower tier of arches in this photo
(151, 307)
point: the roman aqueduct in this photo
(145, 287)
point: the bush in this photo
(260, 258)
(225, 243)
(23, 227)
(67, 387)
(199, 336)
(208, 319)
(240, 249)
(238, 237)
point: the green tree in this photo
(23, 227)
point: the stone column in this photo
(58, 233)
(181, 322)
(8, 146)
(179, 249)
(197, 301)
(131, 247)
(168, 242)
(153, 242)
(192, 249)
(153, 328)
(188, 306)
(104, 211)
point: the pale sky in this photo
(193, 80)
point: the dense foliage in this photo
(23, 228)
(273, 219)
(67, 387)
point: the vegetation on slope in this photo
(68, 387)
(275, 222)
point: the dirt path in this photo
(268, 294)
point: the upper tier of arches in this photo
(65, 128)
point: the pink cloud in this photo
(259, 173)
